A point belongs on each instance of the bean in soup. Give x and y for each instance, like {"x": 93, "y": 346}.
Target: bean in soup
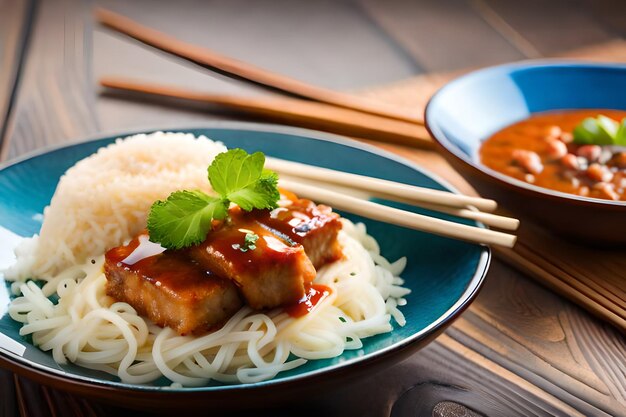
{"x": 541, "y": 150}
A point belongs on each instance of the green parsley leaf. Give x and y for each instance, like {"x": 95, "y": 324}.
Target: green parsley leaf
{"x": 240, "y": 178}
{"x": 600, "y": 130}
{"x": 184, "y": 219}
{"x": 262, "y": 194}
{"x": 234, "y": 170}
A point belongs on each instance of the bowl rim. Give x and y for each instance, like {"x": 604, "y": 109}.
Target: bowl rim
{"x": 446, "y": 144}
{"x": 469, "y": 294}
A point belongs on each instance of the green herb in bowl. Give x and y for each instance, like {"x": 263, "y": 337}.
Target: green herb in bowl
{"x": 600, "y": 130}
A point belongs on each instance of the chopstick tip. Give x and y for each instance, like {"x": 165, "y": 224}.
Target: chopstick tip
{"x": 490, "y": 205}
{"x": 100, "y": 13}
{"x": 511, "y": 242}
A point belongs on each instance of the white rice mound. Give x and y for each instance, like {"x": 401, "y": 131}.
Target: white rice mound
{"x": 104, "y": 199}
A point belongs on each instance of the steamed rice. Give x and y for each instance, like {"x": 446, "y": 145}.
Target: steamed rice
{"x": 104, "y": 199}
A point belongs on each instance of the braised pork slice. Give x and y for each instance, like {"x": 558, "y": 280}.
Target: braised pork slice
{"x": 266, "y": 258}
{"x": 171, "y": 289}
{"x": 302, "y": 221}
{"x": 269, "y": 270}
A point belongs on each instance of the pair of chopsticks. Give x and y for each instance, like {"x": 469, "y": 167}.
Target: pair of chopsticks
{"x": 329, "y": 110}
{"x": 315, "y": 107}
{"x": 596, "y": 296}
{"x": 442, "y": 201}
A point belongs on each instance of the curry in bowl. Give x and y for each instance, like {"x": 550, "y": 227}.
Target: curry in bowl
{"x": 580, "y": 152}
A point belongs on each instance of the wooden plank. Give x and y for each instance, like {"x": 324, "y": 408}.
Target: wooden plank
{"x": 548, "y": 342}
{"x": 548, "y": 27}
{"x": 412, "y": 94}
{"x": 15, "y": 21}
{"x": 8, "y": 405}
{"x": 323, "y": 42}
{"x": 611, "y": 14}
{"x": 442, "y": 35}
{"x": 54, "y": 100}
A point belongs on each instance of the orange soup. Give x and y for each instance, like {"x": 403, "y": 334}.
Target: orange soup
{"x": 540, "y": 150}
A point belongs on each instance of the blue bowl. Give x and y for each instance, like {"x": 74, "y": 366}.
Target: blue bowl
{"x": 473, "y": 107}
{"x": 444, "y": 276}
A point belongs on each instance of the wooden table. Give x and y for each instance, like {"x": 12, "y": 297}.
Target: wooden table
{"x": 519, "y": 350}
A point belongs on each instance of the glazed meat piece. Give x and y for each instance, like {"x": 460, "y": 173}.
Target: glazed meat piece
{"x": 170, "y": 289}
{"x": 302, "y": 221}
{"x": 270, "y": 272}
{"x": 267, "y": 258}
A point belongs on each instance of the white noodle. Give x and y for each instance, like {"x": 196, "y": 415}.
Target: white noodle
{"x": 89, "y": 328}
{"x": 102, "y": 201}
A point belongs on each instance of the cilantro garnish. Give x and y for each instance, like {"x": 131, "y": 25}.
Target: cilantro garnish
{"x": 249, "y": 242}
{"x": 185, "y": 217}
{"x": 600, "y": 130}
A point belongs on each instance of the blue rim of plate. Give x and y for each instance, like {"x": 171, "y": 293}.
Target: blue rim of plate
{"x": 466, "y": 298}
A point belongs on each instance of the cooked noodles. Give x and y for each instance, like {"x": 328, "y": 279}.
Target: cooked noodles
{"x": 90, "y": 329}
{"x": 101, "y": 202}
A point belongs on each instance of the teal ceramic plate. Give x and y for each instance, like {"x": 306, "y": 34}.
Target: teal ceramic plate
{"x": 443, "y": 274}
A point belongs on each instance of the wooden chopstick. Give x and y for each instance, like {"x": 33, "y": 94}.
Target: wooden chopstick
{"x": 564, "y": 287}
{"x": 488, "y": 219}
{"x": 213, "y": 61}
{"x": 296, "y": 112}
{"x": 379, "y": 187}
{"x": 442, "y": 201}
{"x": 582, "y": 283}
{"x": 400, "y": 217}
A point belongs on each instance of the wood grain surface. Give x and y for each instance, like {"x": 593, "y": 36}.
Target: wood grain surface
{"x": 240, "y": 70}
{"x": 519, "y": 350}
{"x": 55, "y": 100}
{"x": 15, "y": 28}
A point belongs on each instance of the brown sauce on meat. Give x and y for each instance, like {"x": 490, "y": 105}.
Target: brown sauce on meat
{"x": 513, "y": 151}
{"x": 270, "y": 270}
{"x": 296, "y": 219}
{"x": 171, "y": 270}
{"x": 229, "y": 239}
{"x": 174, "y": 271}
{"x": 315, "y": 293}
